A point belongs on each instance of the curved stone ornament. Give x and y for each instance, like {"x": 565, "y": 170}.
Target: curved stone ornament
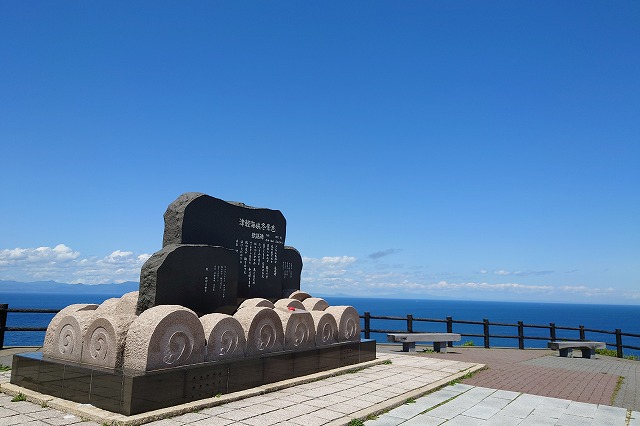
{"x": 299, "y": 329}
{"x": 225, "y": 337}
{"x": 103, "y": 342}
{"x": 263, "y": 330}
{"x": 348, "y": 322}
{"x": 256, "y": 302}
{"x": 164, "y": 336}
{"x": 285, "y": 304}
{"x": 299, "y": 295}
{"x": 326, "y": 328}
{"x": 63, "y": 339}
{"x": 315, "y": 304}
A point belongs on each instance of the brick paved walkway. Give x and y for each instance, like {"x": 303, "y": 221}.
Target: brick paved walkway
{"x": 543, "y": 372}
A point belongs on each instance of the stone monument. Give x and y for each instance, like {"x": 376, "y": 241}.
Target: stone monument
{"x": 174, "y": 340}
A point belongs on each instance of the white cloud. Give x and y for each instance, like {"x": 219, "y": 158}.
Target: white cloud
{"x": 63, "y": 264}
{"x": 345, "y": 275}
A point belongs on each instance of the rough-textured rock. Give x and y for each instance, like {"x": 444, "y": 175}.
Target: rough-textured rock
{"x": 164, "y": 336}
{"x": 199, "y": 277}
{"x": 256, "y": 234}
{"x": 326, "y": 328}
{"x": 63, "y": 339}
{"x": 299, "y": 295}
{"x": 291, "y": 270}
{"x": 263, "y": 330}
{"x": 348, "y": 322}
{"x": 225, "y": 337}
{"x": 299, "y": 329}
{"x": 315, "y": 304}
{"x": 256, "y": 302}
{"x": 285, "y": 304}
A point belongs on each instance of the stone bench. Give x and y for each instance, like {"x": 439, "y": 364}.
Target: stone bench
{"x": 588, "y": 348}
{"x": 409, "y": 340}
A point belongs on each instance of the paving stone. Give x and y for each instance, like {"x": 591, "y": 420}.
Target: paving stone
{"x": 270, "y": 418}
{"x": 191, "y": 417}
{"x": 486, "y": 408}
{"x": 581, "y": 409}
{"x": 15, "y": 420}
{"x": 214, "y": 421}
{"x": 387, "y": 420}
{"x": 422, "y": 420}
{"x": 165, "y": 422}
{"x": 572, "y": 420}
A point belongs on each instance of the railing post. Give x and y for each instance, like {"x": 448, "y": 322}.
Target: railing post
{"x": 450, "y": 329}
{"x": 486, "y": 332}
{"x": 3, "y": 322}
{"x": 552, "y": 331}
{"x": 619, "y": 343}
{"x": 520, "y": 335}
{"x": 409, "y": 323}
{"x": 582, "y": 333}
{"x": 367, "y": 325}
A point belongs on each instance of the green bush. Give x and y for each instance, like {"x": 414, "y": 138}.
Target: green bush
{"x": 468, "y": 343}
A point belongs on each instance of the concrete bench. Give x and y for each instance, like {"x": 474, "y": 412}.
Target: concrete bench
{"x": 588, "y": 348}
{"x": 409, "y": 340}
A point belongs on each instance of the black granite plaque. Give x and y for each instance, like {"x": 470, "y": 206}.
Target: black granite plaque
{"x": 256, "y": 234}
{"x": 291, "y": 270}
{"x": 199, "y": 277}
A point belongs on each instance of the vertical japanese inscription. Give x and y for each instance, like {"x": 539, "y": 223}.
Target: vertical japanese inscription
{"x": 256, "y": 234}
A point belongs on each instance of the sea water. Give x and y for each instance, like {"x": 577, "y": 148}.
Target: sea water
{"x": 598, "y": 317}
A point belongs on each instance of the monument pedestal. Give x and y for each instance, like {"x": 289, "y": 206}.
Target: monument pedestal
{"x": 131, "y": 393}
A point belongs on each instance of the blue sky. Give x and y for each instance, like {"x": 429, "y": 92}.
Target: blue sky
{"x": 464, "y": 150}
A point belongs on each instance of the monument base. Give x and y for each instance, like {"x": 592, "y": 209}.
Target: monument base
{"x": 133, "y": 393}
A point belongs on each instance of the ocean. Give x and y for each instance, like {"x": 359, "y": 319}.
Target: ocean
{"x": 599, "y": 317}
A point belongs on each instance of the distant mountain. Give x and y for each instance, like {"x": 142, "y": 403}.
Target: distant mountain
{"x": 63, "y": 288}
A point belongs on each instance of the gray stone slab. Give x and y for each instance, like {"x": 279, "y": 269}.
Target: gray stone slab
{"x": 422, "y": 420}
{"x": 581, "y": 409}
{"x": 635, "y": 419}
{"x": 486, "y": 408}
{"x": 387, "y": 420}
{"x": 573, "y": 420}
{"x": 538, "y": 420}
{"x": 606, "y": 415}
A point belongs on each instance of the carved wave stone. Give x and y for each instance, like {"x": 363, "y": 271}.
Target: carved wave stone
{"x": 285, "y": 304}
{"x": 299, "y": 295}
{"x": 104, "y": 341}
{"x": 315, "y": 304}
{"x": 63, "y": 339}
{"x": 263, "y": 330}
{"x": 256, "y": 302}
{"x": 225, "y": 337}
{"x": 326, "y": 328}
{"x": 348, "y": 322}
{"x": 164, "y": 336}
{"x": 299, "y": 329}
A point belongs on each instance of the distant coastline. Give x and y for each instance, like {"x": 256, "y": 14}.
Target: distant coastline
{"x": 64, "y": 288}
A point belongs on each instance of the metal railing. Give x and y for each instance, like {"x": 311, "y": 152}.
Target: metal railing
{"x": 449, "y": 322}
{"x": 487, "y": 327}
{"x": 4, "y": 309}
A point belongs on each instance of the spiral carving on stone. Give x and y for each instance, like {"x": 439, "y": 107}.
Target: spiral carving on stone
{"x": 176, "y": 347}
{"x": 228, "y": 342}
{"x": 99, "y": 344}
{"x": 327, "y": 333}
{"x": 300, "y": 334}
{"x": 266, "y": 337}
{"x": 67, "y": 340}
{"x": 350, "y": 329}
